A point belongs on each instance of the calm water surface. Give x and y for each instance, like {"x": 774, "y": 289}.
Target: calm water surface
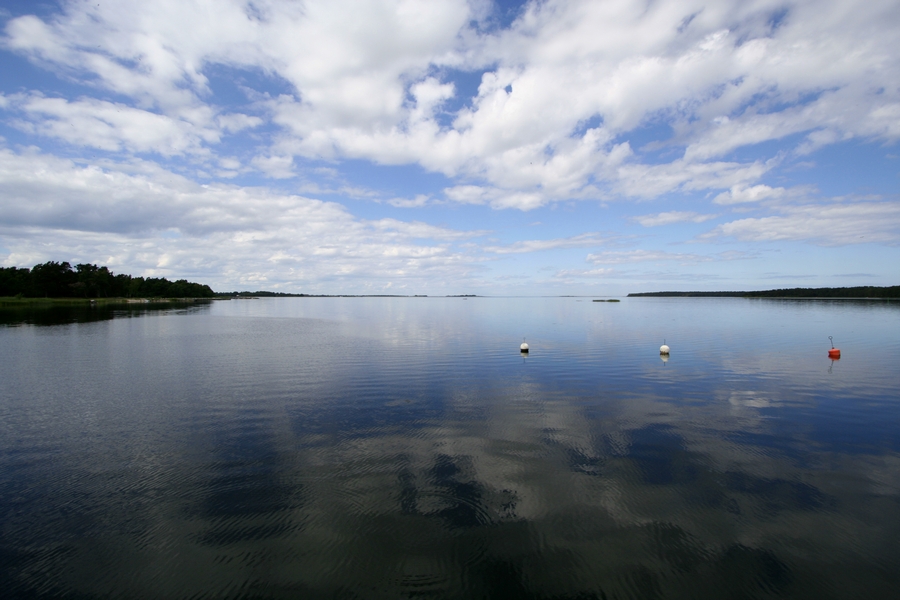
{"x": 402, "y": 447}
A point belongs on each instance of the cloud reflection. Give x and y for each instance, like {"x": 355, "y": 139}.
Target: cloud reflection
{"x": 225, "y": 454}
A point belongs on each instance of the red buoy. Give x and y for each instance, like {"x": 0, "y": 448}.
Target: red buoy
{"x": 834, "y": 353}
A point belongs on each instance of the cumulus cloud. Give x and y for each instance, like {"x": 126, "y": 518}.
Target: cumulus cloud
{"x": 112, "y": 126}
{"x": 573, "y": 101}
{"x": 369, "y": 80}
{"x": 54, "y": 208}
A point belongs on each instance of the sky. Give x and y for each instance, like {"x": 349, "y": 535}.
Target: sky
{"x": 455, "y": 146}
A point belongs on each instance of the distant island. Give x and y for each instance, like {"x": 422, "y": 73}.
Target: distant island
{"x": 859, "y": 292}
{"x": 258, "y": 294}
{"x": 88, "y": 281}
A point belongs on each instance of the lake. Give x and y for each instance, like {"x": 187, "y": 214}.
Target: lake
{"x": 403, "y": 447}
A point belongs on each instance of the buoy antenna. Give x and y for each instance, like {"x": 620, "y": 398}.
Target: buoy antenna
{"x": 831, "y": 339}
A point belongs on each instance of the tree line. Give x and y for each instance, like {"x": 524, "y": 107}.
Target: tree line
{"x": 864, "y": 291}
{"x": 61, "y": 280}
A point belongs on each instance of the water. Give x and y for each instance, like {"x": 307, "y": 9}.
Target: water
{"x": 402, "y": 447}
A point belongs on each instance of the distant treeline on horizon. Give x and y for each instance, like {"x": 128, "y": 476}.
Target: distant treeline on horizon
{"x": 865, "y": 291}
{"x": 61, "y": 280}
{"x": 259, "y": 294}
{"x": 265, "y": 294}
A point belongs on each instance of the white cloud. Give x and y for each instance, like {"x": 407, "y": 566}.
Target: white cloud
{"x": 365, "y": 82}
{"x": 496, "y": 197}
{"x": 237, "y": 122}
{"x": 636, "y": 256}
{"x": 650, "y": 181}
{"x": 276, "y": 167}
{"x": 583, "y": 273}
{"x": 112, "y": 126}
{"x": 118, "y": 127}
{"x": 419, "y": 201}
{"x": 835, "y": 224}
{"x": 419, "y": 230}
{"x": 584, "y": 240}
{"x": 743, "y": 193}
{"x": 470, "y": 194}
{"x": 154, "y": 222}
{"x": 669, "y": 218}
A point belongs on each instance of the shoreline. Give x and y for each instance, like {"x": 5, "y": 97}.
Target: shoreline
{"x": 12, "y": 301}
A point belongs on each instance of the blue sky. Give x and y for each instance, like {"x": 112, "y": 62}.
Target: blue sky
{"x": 454, "y": 146}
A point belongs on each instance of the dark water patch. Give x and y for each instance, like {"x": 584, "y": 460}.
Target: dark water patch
{"x": 234, "y": 533}
{"x": 680, "y": 550}
{"x": 580, "y": 462}
{"x": 461, "y": 496}
{"x": 662, "y": 457}
{"x": 744, "y": 572}
{"x": 408, "y": 493}
{"x": 777, "y": 494}
{"x": 500, "y": 579}
{"x": 867, "y": 431}
{"x": 50, "y": 315}
{"x": 234, "y": 494}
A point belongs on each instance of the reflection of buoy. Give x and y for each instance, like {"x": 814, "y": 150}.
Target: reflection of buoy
{"x": 523, "y": 348}
{"x": 664, "y": 357}
{"x": 834, "y": 353}
{"x": 664, "y": 349}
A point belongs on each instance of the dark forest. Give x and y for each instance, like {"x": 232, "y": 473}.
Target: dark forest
{"x": 61, "y": 280}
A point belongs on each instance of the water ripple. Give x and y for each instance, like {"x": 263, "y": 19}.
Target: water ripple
{"x": 404, "y": 448}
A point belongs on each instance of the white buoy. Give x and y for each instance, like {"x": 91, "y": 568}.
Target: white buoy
{"x": 524, "y": 348}
{"x": 664, "y": 349}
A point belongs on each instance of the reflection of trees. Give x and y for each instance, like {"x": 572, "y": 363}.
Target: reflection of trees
{"x": 61, "y": 315}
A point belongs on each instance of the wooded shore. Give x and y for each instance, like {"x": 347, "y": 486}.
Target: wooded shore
{"x": 60, "y": 280}
{"x": 23, "y": 302}
{"x": 858, "y": 292}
